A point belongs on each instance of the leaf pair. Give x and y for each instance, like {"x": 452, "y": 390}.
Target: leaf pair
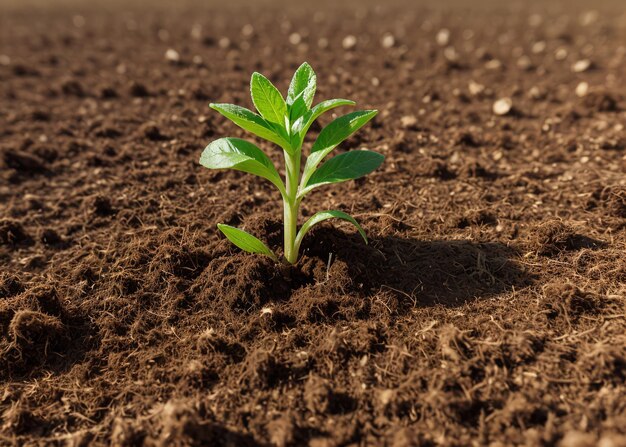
{"x": 251, "y": 244}
{"x": 347, "y": 166}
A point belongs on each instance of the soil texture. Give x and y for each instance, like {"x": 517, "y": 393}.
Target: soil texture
{"x": 488, "y": 308}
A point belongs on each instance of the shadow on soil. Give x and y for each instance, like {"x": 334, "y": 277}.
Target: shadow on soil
{"x": 423, "y": 273}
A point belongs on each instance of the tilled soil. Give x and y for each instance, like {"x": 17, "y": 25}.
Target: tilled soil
{"x": 488, "y": 309}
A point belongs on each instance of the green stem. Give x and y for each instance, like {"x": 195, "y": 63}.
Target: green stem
{"x": 291, "y": 205}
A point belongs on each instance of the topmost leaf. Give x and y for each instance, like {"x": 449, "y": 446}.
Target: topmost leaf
{"x": 268, "y": 100}
{"x": 304, "y": 82}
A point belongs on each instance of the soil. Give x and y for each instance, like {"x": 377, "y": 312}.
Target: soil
{"x": 488, "y": 308}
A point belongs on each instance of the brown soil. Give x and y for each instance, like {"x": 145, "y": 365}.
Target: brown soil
{"x": 489, "y": 307}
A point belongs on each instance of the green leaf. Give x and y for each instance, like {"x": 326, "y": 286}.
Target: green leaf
{"x": 234, "y": 153}
{"x": 267, "y": 99}
{"x": 304, "y": 82}
{"x": 298, "y": 108}
{"x": 347, "y": 166}
{"x": 251, "y": 122}
{"x": 325, "y": 215}
{"x": 340, "y": 129}
{"x": 333, "y": 135}
{"x": 246, "y": 241}
{"x": 303, "y": 124}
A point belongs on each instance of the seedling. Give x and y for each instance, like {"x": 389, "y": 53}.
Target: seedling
{"x": 285, "y": 122}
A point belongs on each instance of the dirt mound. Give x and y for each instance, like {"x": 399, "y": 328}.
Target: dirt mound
{"x": 570, "y": 301}
{"x": 31, "y": 333}
{"x": 24, "y": 163}
{"x": 612, "y": 200}
{"x": 554, "y": 236}
{"x": 10, "y": 285}
{"x": 12, "y": 233}
{"x": 38, "y": 332}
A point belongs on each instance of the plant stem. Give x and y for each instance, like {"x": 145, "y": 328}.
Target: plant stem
{"x": 291, "y": 205}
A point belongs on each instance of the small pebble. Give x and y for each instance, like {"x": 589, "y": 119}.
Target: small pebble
{"x": 247, "y": 30}
{"x": 388, "y": 41}
{"x": 196, "y": 31}
{"x": 602, "y": 126}
{"x": 224, "y": 42}
{"x": 408, "y": 121}
{"x": 546, "y": 126}
{"x": 581, "y": 66}
{"x": 349, "y": 42}
{"x": 385, "y": 397}
{"x": 589, "y": 17}
{"x": 172, "y": 55}
{"x": 524, "y": 63}
{"x": 322, "y": 42}
{"x": 475, "y": 88}
{"x": 493, "y": 64}
{"x": 443, "y": 37}
{"x": 560, "y": 54}
{"x": 295, "y": 38}
{"x": 502, "y": 106}
{"x": 451, "y": 54}
{"x": 539, "y": 47}
{"x": 536, "y": 93}
{"x": 5, "y": 60}
{"x": 582, "y": 89}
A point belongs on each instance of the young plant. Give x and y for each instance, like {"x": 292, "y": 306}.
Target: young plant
{"x": 285, "y": 122}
